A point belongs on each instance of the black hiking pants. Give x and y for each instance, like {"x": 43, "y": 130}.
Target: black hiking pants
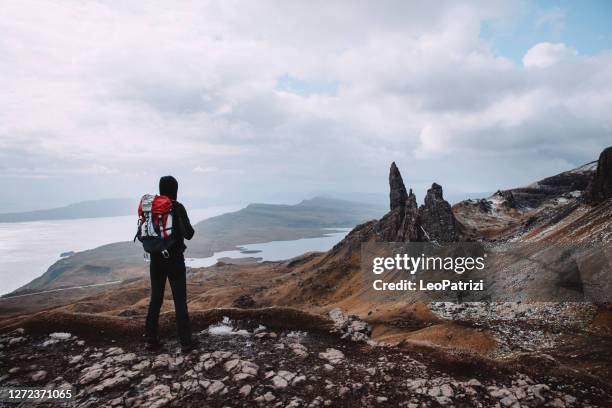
{"x": 174, "y": 270}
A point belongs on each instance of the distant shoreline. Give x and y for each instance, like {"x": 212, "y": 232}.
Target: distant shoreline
{"x": 17, "y": 295}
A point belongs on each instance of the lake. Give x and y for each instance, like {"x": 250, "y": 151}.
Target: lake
{"x": 275, "y": 250}
{"x": 29, "y": 248}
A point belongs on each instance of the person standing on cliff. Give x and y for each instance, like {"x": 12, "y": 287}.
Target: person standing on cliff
{"x": 171, "y": 266}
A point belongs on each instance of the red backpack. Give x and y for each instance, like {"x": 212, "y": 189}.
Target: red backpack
{"x": 155, "y": 224}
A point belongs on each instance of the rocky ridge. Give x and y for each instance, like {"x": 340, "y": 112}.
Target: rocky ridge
{"x": 522, "y": 213}
{"x": 245, "y": 364}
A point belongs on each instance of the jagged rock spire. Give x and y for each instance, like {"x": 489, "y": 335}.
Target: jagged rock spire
{"x": 411, "y": 202}
{"x": 436, "y": 216}
{"x": 407, "y": 222}
{"x": 600, "y": 187}
{"x": 397, "y": 195}
{"x": 434, "y": 193}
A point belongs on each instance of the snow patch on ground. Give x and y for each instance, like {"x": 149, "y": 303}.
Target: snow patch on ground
{"x": 225, "y": 328}
{"x": 496, "y": 201}
{"x": 297, "y": 334}
{"x": 60, "y": 336}
{"x": 592, "y": 166}
{"x": 56, "y": 338}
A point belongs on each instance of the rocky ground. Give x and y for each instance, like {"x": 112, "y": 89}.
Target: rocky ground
{"x": 242, "y": 363}
{"x": 551, "y": 333}
{"x": 520, "y": 327}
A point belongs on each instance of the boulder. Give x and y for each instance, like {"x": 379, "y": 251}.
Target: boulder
{"x": 39, "y": 375}
{"x": 244, "y": 301}
{"x": 332, "y": 355}
{"x": 508, "y": 198}
{"x": 600, "y": 187}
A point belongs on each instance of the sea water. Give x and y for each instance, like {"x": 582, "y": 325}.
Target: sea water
{"x": 275, "y": 250}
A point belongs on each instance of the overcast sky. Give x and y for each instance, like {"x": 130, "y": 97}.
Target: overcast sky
{"x": 275, "y": 101}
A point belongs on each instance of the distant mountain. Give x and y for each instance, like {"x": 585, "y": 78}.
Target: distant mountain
{"x": 317, "y": 212}
{"x": 111, "y": 207}
{"x": 375, "y": 198}
{"x": 258, "y": 223}
{"x": 85, "y": 209}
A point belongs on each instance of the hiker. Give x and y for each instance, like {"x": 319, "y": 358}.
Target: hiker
{"x": 170, "y": 264}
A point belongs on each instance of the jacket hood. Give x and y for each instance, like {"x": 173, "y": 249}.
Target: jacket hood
{"x": 168, "y": 186}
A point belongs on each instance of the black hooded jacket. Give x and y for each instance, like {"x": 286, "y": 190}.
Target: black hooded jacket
{"x": 168, "y": 186}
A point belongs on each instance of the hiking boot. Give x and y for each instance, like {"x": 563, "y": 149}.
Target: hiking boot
{"x": 152, "y": 345}
{"x": 186, "y": 348}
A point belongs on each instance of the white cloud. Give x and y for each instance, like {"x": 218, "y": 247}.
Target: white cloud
{"x": 554, "y": 17}
{"x": 545, "y": 54}
{"x": 158, "y": 88}
{"x": 200, "y": 169}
